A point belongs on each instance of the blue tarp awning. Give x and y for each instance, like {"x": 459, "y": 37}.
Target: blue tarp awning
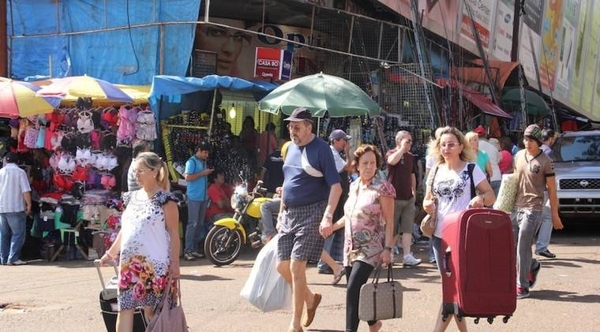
{"x": 170, "y": 88}
{"x": 174, "y": 85}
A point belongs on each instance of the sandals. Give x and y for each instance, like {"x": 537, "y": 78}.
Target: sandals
{"x": 338, "y": 276}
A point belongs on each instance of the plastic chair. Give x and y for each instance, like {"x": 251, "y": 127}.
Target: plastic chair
{"x": 67, "y": 229}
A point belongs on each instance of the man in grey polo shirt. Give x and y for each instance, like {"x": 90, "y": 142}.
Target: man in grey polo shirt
{"x": 15, "y": 205}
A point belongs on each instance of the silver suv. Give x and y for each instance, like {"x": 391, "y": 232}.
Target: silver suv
{"x": 577, "y": 166}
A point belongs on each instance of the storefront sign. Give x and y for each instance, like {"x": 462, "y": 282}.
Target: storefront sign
{"x": 272, "y": 64}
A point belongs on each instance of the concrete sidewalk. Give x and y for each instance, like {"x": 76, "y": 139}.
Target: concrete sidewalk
{"x": 63, "y": 296}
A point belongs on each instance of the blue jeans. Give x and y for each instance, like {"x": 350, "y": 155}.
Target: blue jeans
{"x": 334, "y": 246}
{"x": 496, "y": 186}
{"x": 545, "y": 232}
{"x": 195, "y": 232}
{"x": 12, "y": 236}
{"x": 266, "y": 212}
{"x": 436, "y": 246}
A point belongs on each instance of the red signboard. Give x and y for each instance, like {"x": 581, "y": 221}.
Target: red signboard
{"x": 269, "y": 63}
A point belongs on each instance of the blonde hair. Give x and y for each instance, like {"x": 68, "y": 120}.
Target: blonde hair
{"x": 153, "y": 161}
{"x": 466, "y": 154}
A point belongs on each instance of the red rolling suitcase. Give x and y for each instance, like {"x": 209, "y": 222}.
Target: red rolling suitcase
{"x": 479, "y": 268}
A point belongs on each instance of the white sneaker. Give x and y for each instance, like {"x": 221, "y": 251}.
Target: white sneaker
{"x": 18, "y": 262}
{"x": 410, "y": 260}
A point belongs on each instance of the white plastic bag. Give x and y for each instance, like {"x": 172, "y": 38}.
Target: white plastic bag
{"x": 265, "y": 288}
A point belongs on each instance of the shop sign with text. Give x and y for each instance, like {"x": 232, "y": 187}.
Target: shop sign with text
{"x": 273, "y": 64}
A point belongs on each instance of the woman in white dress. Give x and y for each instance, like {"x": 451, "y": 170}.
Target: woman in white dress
{"x": 147, "y": 247}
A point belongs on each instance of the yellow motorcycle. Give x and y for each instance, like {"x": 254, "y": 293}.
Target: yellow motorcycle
{"x": 225, "y": 239}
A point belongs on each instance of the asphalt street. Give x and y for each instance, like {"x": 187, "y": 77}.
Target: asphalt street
{"x": 63, "y": 295}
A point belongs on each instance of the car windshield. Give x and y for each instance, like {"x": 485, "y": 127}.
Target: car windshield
{"x": 577, "y": 148}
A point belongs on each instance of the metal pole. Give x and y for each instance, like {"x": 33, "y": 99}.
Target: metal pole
{"x": 206, "y": 10}
{"x": 3, "y": 42}
{"x": 212, "y": 113}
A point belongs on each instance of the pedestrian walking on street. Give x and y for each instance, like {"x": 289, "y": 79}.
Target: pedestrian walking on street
{"x": 332, "y": 255}
{"x": 452, "y": 189}
{"x": 147, "y": 247}
{"x": 15, "y": 205}
{"x": 545, "y": 231}
{"x": 369, "y": 230}
{"x": 535, "y": 173}
{"x": 311, "y": 190}
{"x": 196, "y": 174}
{"x": 402, "y": 170}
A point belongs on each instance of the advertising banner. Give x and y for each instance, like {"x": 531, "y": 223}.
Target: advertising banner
{"x": 272, "y": 64}
{"x": 566, "y": 53}
{"x": 550, "y": 43}
{"x": 530, "y": 35}
{"x": 482, "y": 17}
{"x": 591, "y": 61}
{"x": 577, "y": 80}
{"x": 236, "y": 49}
{"x": 503, "y": 36}
{"x": 441, "y": 17}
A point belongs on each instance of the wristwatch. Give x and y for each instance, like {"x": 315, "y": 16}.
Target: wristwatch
{"x": 388, "y": 248}
{"x": 328, "y": 215}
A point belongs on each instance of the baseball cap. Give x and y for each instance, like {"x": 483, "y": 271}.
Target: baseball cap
{"x": 339, "y": 134}
{"x": 480, "y": 130}
{"x": 533, "y": 131}
{"x": 300, "y": 114}
{"x": 11, "y": 157}
{"x": 203, "y": 146}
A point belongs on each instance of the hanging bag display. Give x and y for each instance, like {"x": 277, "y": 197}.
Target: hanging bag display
{"x": 380, "y": 300}
{"x": 429, "y": 223}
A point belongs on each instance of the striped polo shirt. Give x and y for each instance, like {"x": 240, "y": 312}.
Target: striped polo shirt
{"x": 13, "y": 184}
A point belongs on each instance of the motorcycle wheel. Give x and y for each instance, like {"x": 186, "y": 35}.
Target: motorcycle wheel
{"x": 215, "y": 245}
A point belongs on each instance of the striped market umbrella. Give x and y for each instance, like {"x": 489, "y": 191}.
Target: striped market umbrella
{"x": 84, "y": 86}
{"x": 19, "y": 99}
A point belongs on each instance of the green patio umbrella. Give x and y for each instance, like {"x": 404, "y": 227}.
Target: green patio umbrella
{"x": 535, "y": 104}
{"x": 320, "y": 93}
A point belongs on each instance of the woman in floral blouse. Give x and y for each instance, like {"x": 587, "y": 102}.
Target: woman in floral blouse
{"x": 369, "y": 227}
{"x": 148, "y": 244}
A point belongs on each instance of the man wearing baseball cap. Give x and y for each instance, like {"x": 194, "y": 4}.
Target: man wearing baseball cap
{"x": 333, "y": 247}
{"x": 310, "y": 194}
{"x": 535, "y": 173}
{"x": 15, "y": 205}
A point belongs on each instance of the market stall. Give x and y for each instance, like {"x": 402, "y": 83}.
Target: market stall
{"x": 182, "y": 129}
{"x": 75, "y": 155}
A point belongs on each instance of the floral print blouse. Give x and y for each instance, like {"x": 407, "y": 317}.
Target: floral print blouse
{"x": 365, "y": 227}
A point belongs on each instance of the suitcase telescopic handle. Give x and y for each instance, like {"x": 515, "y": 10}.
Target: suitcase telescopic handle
{"x": 446, "y": 262}
{"x": 111, "y": 262}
